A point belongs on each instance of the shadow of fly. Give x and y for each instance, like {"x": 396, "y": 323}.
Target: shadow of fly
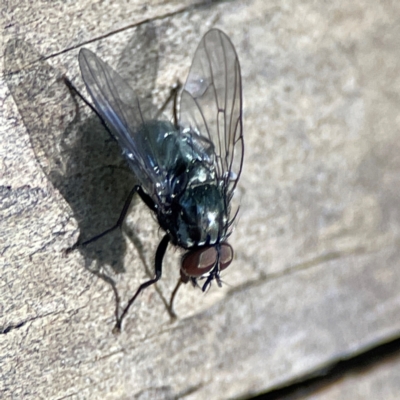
{"x": 187, "y": 169}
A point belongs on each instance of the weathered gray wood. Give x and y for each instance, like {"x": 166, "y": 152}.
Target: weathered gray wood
{"x": 316, "y": 274}
{"x": 379, "y": 380}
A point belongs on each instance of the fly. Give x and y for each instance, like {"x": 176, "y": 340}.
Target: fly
{"x": 187, "y": 169}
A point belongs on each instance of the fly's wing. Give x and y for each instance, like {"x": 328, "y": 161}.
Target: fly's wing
{"x": 211, "y": 106}
{"x": 120, "y": 108}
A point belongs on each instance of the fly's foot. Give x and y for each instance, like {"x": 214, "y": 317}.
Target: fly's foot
{"x": 71, "y": 249}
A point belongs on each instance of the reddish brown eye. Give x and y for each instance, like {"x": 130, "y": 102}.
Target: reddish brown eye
{"x": 198, "y": 262}
{"x": 225, "y": 256}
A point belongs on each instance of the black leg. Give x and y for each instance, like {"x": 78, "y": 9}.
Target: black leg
{"x": 178, "y": 86}
{"x": 162, "y": 247}
{"x": 172, "y": 96}
{"x": 73, "y": 89}
{"x": 119, "y": 223}
{"x": 172, "y": 299}
{"x": 146, "y": 199}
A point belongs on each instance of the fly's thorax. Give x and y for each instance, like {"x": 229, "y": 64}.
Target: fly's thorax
{"x": 198, "y": 217}
{"x": 203, "y": 217}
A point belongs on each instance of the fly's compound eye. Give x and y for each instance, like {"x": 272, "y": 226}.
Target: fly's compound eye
{"x": 198, "y": 262}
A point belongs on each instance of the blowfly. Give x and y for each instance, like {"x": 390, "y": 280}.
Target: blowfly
{"x": 188, "y": 169}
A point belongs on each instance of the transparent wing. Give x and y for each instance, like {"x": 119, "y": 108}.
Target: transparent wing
{"x": 211, "y": 105}
{"x": 120, "y": 108}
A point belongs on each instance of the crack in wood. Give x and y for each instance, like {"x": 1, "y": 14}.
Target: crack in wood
{"x": 331, "y": 373}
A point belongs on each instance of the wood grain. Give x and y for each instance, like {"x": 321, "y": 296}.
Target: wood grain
{"x": 316, "y": 273}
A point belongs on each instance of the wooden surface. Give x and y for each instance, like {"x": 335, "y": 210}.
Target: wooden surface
{"x": 316, "y": 275}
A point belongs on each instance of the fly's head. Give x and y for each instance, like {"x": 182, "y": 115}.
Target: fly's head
{"x": 206, "y": 262}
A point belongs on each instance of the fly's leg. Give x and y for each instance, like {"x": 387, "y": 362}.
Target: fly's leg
{"x": 146, "y": 199}
{"x": 162, "y": 247}
{"x": 178, "y": 86}
{"x": 73, "y": 89}
{"x": 174, "y": 97}
{"x": 172, "y": 299}
{"x": 119, "y": 223}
